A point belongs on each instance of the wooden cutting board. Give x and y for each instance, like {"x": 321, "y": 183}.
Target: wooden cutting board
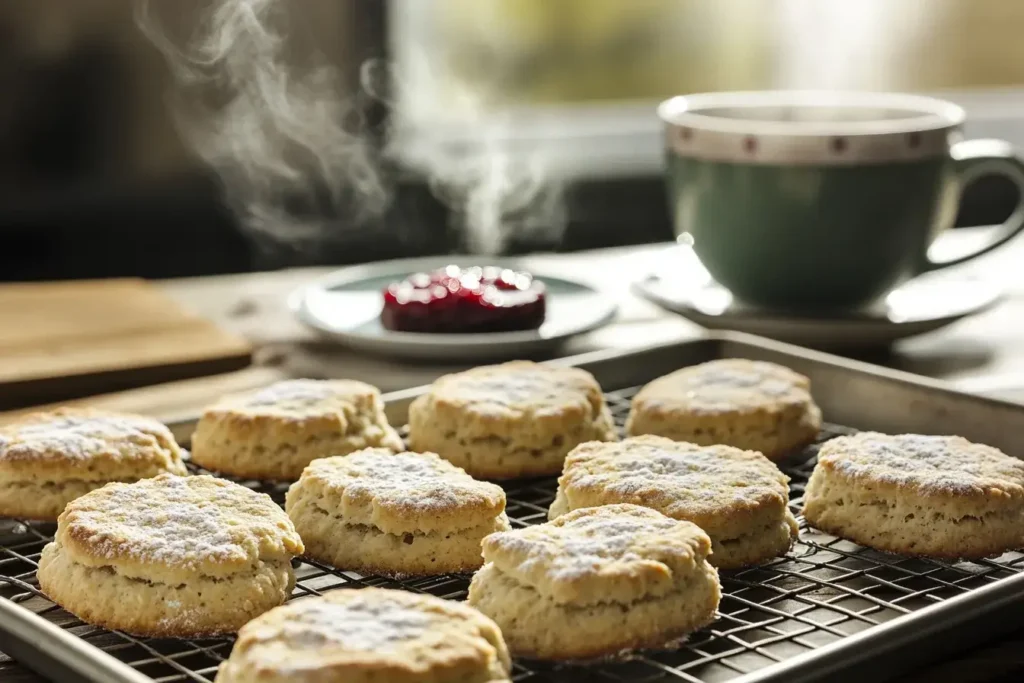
{"x": 61, "y": 340}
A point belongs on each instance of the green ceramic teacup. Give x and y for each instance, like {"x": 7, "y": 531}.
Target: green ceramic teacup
{"x": 808, "y": 200}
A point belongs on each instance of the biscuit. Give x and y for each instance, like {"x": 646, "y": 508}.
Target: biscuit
{"x": 751, "y": 405}
{"x": 170, "y": 556}
{"x": 377, "y": 512}
{"x": 740, "y": 498}
{"x": 49, "y": 459}
{"x": 273, "y": 433}
{"x": 931, "y": 496}
{"x": 517, "y": 419}
{"x": 596, "y": 582}
{"x": 369, "y": 634}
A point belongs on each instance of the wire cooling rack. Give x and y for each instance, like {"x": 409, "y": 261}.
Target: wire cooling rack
{"x": 824, "y": 590}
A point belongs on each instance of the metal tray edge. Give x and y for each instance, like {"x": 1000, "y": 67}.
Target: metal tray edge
{"x": 183, "y": 424}
{"x": 35, "y": 642}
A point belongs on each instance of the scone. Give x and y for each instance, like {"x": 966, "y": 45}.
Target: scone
{"x": 596, "y": 582}
{"x": 933, "y": 496}
{"x": 369, "y": 635}
{"x": 49, "y": 459}
{"x": 273, "y": 433}
{"x": 170, "y": 556}
{"x": 517, "y": 419}
{"x": 740, "y": 498}
{"x": 747, "y": 404}
{"x": 377, "y": 512}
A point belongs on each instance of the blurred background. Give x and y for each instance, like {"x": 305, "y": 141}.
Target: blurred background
{"x": 99, "y": 178}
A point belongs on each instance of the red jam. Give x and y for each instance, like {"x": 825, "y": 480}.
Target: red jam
{"x": 464, "y": 300}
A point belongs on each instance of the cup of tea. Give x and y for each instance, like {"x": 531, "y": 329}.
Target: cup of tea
{"x": 823, "y": 200}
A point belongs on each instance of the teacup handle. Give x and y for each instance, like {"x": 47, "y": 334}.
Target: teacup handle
{"x": 976, "y": 158}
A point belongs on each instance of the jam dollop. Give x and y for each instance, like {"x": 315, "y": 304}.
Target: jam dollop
{"x": 464, "y": 300}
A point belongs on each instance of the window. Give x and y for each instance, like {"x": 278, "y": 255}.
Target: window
{"x": 465, "y": 64}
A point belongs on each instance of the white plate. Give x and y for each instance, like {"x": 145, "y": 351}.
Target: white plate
{"x": 681, "y": 285}
{"x": 346, "y": 305}
{"x": 1004, "y": 386}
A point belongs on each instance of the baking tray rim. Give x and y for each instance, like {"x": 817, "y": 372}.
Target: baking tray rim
{"x": 182, "y": 423}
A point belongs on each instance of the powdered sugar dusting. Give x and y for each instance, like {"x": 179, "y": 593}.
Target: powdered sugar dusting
{"x": 680, "y": 472}
{"x": 516, "y": 387}
{"x": 73, "y": 435}
{"x": 728, "y": 384}
{"x": 177, "y": 522}
{"x": 361, "y": 634}
{"x": 945, "y": 464}
{"x": 411, "y": 480}
{"x": 589, "y": 542}
{"x": 522, "y": 387}
{"x": 360, "y": 624}
{"x": 299, "y": 394}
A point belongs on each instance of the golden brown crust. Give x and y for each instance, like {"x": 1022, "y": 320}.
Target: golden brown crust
{"x": 370, "y": 634}
{"x": 510, "y": 420}
{"x": 275, "y": 432}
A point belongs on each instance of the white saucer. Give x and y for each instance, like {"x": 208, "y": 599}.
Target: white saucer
{"x": 683, "y": 286}
{"x": 346, "y": 305}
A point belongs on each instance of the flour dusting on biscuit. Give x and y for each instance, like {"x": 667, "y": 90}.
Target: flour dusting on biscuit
{"x": 935, "y": 496}
{"x": 397, "y": 514}
{"x": 511, "y": 420}
{"x": 370, "y": 634}
{"x": 48, "y": 459}
{"x": 740, "y": 498}
{"x": 596, "y": 582}
{"x": 751, "y": 405}
{"x": 274, "y": 432}
{"x": 170, "y": 556}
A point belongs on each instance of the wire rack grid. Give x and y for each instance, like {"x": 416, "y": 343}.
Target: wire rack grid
{"x": 823, "y": 590}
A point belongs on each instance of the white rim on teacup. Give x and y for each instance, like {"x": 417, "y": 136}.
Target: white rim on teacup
{"x": 810, "y": 127}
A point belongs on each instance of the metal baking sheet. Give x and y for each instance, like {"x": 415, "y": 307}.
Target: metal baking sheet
{"x": 829, "y": 611}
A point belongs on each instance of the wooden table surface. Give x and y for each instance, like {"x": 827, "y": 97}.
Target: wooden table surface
{"x": 985, "y": 350}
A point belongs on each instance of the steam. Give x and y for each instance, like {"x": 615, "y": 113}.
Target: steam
{"x": 497, "y": 196}
{"x": 290, "y": 150}
{"x": 495, "y": 191}
{"x": 294, "y": 152}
